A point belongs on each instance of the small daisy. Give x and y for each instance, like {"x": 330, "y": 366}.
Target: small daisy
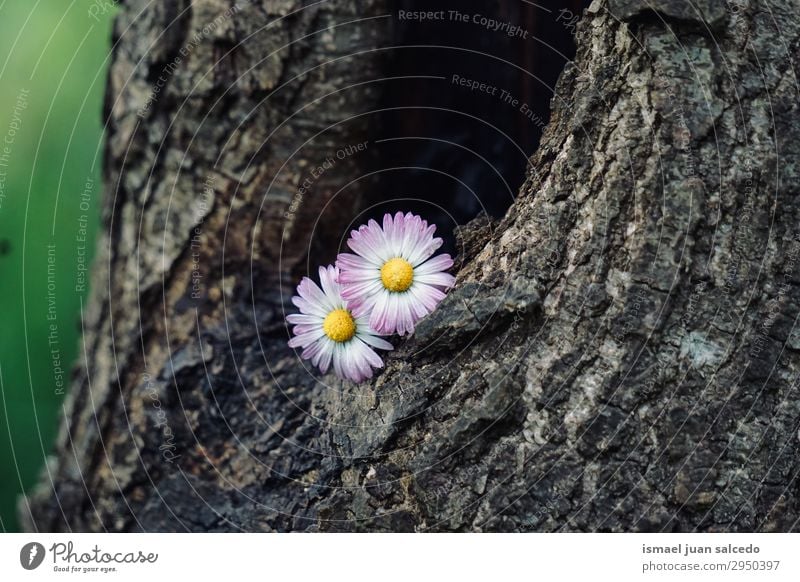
{"x": 392, "y": 276}
{"x": 329, "y": 332}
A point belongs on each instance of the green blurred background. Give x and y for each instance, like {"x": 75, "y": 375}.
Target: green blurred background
{"x": 53, "y": 65}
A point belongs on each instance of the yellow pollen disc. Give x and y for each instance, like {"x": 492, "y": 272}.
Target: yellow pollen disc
{"x": 339, "y": 325}
{"x": 397, "y": 274}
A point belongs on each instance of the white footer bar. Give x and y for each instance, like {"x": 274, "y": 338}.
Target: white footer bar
{"x": 411, "y": 557}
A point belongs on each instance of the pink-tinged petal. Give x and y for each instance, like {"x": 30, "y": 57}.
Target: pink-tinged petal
{"x": 391, "y": 234}
{"x": 300, "y": 318}
{"x": 424, "y": 225}
{"x": 366, "y": 376}
{"x": 438, "y": 279}
{"x": 414, "y": 235}
{"x": 418, "y": 310}
{"x": 311, "y": 292}
{"x": 369, "y": 355}
{"x": 368, "y": 242}
{"x": 373, "y": 232}
{"x": 392, "y": 314}
{"x": 349, "y": 366}
{"x": 437, "y": 263}
{"x": 364, "y": 370}
{"x": 381, "y": 245}
{"x": 397, "y": 231}
{"x": 305, "y": 339}
{"x": 388, "y": 228}
{"x": 406, "y": 236}
{"x": 351, "y": 261}
{"x": 313, "y": 351}
{"x": 375, "y": 341}
{"x": 400, "y": 227}
{"x": 325, "y": 356}
{"x": 348, "y": 277}
{"x": 345, "y": 364}
{"x": 359, "y": 354}
{"x": 396, "y": 310}
{"x": 361, "y": 308}
{"x": 402, "y": 314}
{"x": 309, "y": 308}
{"x": 427, "y": 295}
{"x": 378, "y": 318}
{"x": 425, "y": 247}
{"x": 406, "y": 317}
{"x": 305, "y": 328}
{"x": 360, "y": 291}
{"x": 372, "y": 254}
{"x": 428, "y": 251}
{"x": 327, "y": 276}
{"x": 337, "y": 360}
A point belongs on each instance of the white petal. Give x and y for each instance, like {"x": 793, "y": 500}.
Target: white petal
{"x": 369, "y": 356}
{"x": 437, "y": 279}
{"x": 303, "y": 319}
{"x": 325, "y": 355}
{"x": 305, "y": 339}
{"x": 435, "y": 265}
{"x": 380, "y": 305}
{"x": 309, "y": 308}
{"x": 327, "y": 276}
{"x": 375, "y": 341}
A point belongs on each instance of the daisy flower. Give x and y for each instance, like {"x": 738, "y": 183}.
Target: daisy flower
{"x": 392, "y": 276}
{"x": 329, "y": 332}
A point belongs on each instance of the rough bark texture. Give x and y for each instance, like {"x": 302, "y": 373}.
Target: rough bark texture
{"x": 620, "y": 352}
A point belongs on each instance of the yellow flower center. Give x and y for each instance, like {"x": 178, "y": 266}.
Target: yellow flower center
{"x": 339, "y": 325}
{"x": 397, "y": 274}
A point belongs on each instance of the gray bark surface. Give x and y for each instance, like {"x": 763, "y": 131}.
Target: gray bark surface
{"x": 620, "y": 352}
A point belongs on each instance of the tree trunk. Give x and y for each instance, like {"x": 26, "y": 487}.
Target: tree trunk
{"x": 619, "y": 353}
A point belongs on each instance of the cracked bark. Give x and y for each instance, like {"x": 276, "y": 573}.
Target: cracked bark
{"x": 620, "y": 352}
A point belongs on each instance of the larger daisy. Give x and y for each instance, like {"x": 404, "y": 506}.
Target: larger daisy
{"x": 329, "y": 332}
{"x": 392, "y": 275}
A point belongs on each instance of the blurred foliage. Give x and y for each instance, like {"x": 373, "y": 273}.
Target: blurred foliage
{"x": 53, "y": 65}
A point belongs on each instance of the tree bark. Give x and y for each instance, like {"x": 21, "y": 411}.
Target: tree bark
{"x": 620, "y": 352}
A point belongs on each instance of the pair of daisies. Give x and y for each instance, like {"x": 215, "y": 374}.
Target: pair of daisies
{"x": 391, "y": 282}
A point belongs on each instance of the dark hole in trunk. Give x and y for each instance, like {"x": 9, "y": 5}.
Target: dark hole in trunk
{"x": 447, "y": 151}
